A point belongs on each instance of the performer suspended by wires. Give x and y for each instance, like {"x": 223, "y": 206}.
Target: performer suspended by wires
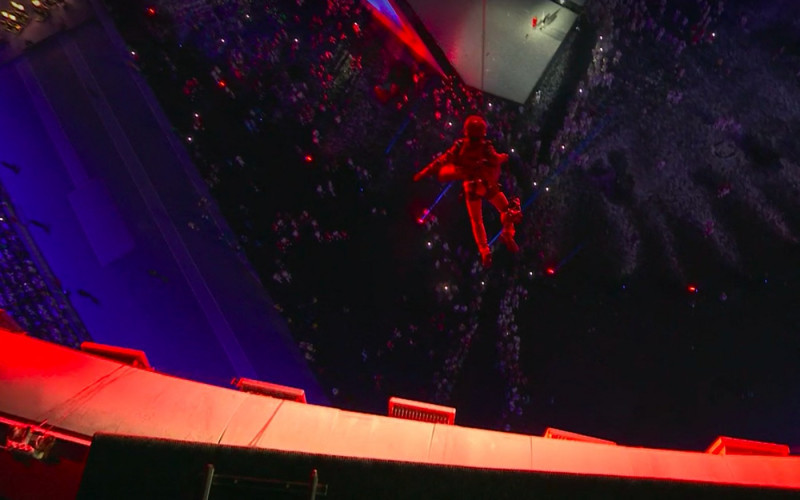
{"x": 474, "y": 161}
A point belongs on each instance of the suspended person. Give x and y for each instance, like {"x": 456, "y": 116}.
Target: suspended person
{"x": 474, "y": 161}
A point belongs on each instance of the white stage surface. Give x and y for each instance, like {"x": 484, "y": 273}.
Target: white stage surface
{"x": 497, "y": 50}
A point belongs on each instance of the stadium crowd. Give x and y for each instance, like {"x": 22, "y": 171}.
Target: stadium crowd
{"x": 29, "y": 293}
{"x": 307, "y": 120}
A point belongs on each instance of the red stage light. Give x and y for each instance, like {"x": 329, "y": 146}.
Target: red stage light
{"x": 309, "y": 158}
{"x": 691, "y": 289}
{"x": 151, "y": 11}
{"x": 221, "y": 84}
{"x": 551, "y": 271}
{"x": 422, "y": 218}
{"x": 423, "y": 412}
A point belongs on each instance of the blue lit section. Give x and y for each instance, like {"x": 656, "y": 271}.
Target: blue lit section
{"x": 387, "y": 10}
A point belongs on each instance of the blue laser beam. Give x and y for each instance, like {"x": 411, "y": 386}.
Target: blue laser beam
{"x": 422, "y": 218}
{"x": 569, "y": 256}
{"x": 572, "y": 156}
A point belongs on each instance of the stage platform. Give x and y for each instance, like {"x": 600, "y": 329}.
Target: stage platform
{"x": 71, "y": 393}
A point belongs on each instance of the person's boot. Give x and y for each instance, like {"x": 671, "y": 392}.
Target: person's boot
{"x": 514, "y": 211}
{"x": 486, "y": 256}
{"x": 511, "y": 216}
{"x": 507, "y": 235}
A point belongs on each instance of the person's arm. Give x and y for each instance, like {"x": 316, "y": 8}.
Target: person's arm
{"x": 495, "y": 159}
{"x": 492, "y": 161}
{"x": 432, "y": 167}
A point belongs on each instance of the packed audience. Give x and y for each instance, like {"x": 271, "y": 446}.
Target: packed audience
{"x": 29, "y": 294}
{"x": 307, "y": 120}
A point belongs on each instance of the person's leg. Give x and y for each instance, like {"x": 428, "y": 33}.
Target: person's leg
{"x": 510, "y": 214}
{"x": 475, "y": 211}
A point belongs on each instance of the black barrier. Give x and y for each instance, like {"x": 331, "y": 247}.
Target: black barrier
{"x": 131, "y": 467}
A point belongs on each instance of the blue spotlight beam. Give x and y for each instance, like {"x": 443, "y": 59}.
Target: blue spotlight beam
{"x": 580, "y": 148}
{"x": 569, "y": 257}
{"x": 428, "y": 210}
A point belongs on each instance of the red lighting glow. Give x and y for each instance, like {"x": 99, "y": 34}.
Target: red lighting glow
{"x": 151, "y": 11}
{"x": 402, "y": 29}
{"x": 691, "y": 289}
{"x": 35, "y": 368}
{"x": 422, "y": 218}
{"x": 551, "y": 271}
{"x": 221, "y": 84}
{"x": 309, "y": 158}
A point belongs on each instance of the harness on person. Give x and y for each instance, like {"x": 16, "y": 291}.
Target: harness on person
{"x": 480, "y": 180}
